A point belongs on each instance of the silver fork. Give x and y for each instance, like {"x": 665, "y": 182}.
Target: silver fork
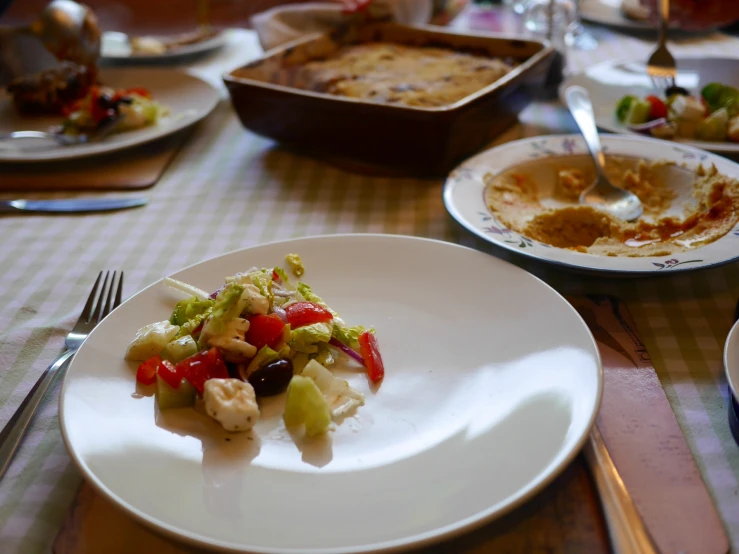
{"x": 100, "y": 303}
{"x": 661, "y": 66}
{"x": 63, "y": 139}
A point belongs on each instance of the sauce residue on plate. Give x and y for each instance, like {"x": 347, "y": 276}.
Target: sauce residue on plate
{"x": 683, "y": 208}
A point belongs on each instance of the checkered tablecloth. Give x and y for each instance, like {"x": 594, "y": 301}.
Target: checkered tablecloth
{"x": 229, "y": 189}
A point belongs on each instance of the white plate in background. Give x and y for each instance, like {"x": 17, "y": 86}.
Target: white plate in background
{"x": 188, "y": 98}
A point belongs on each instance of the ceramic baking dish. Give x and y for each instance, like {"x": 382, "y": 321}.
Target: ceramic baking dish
{"x": 371, "y": 136}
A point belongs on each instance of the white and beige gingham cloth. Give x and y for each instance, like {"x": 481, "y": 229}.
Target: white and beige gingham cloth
{"x": 229, "y": 189}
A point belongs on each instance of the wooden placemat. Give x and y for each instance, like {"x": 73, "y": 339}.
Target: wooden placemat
{"x": 130, "y": 169}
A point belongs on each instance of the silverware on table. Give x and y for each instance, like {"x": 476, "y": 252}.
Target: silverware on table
{"x": 71, "y": 205}
{"x": 661, "y": 66}
{"x": 65, "y": 139}
{"x": 601, "y": 194}
{"x": 648, "y": 470}
{"x": 625, "y": 526}
{"x": 102, "y": 300}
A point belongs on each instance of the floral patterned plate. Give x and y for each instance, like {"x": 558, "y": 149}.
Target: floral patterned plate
{"x": 464, "y": 199}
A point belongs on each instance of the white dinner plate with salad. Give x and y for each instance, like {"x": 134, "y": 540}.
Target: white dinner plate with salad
{"x": 608, "y": 12}
{"x": 611, "y": 14}
{"x": 178, "y": 100}
{"x": 120, "y": 47}
{"x": 466, "y": 199}
{"x": 608, "y": 83}
{"x": 483, "y": 402}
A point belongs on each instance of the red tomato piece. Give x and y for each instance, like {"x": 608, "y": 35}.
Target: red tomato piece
{"x": 264, "y": 330}
{"x": 275, "y": 276}
{"x": 301, "y": 314}
{"x": 169, "y": 373}
{"x": 370, "y": 350}
{"x": 140, "y": 91}
{"x": 146, "y": 374}
{"x": 659, "y": 108}
{"x": 217, "y": 368}
{"x": 96, "y": 111}
{"x": 200, "y": 367}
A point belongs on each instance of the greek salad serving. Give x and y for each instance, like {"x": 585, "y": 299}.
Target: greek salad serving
{"x": 711, "y": 116}
{"x": 124, "y": 109}
{"x": 259, "y": 335}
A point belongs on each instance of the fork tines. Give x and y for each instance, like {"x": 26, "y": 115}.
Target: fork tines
{"x": 104, "y": 298}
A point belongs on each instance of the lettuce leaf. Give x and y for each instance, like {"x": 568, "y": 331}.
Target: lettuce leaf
{"x": 348, "y": 335}
{"x": 282, "y": 274}
{"x": 305, "y": 339}
{"x": 263, "y": 281}
{"x": 185, "y": 310}
{"x": 324, "y": 356}
{"x": 228, "y": 305}
{"x": 265, "y": 356}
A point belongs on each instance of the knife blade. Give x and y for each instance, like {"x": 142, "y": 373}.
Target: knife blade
{"x": 645, "y": 440}
{"x": 71, "y": 205}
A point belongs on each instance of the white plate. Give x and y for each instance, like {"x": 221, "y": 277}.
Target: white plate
{"x": 484, "y": 401}
{"x": 608, "y": 12}
{"x": 731, "y": 359}
{"x": 114, "y": 47}
{"x": 464, "y": 199}
{"x": 608, "y": 82}
{"x": 188, "y": 98}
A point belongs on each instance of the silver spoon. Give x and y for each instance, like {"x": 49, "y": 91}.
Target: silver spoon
{"x": 602, "y": 194}
{"x": 68, "y": 30}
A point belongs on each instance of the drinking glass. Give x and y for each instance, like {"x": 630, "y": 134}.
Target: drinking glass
{"x": 518, "y": 6}
{"x": 537, "y": 16}
{"x": 577, "y": 36}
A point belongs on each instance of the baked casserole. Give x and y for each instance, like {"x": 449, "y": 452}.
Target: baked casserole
{"x": 391, "y": 73}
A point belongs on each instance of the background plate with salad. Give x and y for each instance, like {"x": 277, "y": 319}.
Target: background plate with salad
{"x": 187, "y": 98}
{"x": 708, "y": 122}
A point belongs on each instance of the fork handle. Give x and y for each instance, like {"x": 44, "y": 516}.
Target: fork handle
{"x": 15, "y": 429}
{"x": 664, "y": 20}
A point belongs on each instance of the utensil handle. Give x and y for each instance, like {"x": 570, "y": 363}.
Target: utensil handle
{"x": 15, "y": 429}
{"x": 578, "y": 101}
{"x": 625, "y": 526}
{"x": 8, "y": 208}
{"x": 664, "y": 20}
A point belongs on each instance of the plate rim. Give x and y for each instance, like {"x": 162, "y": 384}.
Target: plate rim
{"x": 417, "y": 541}
{"x": 581, "y": 78}
{"x": 620, "y": 21}
{"x": 201, "y": 47}
{"x": 448, "y": 197}
{"x": 176, "y": 127}
{"x": 732, "y": 341}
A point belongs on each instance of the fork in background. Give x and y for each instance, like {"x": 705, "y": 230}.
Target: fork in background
{"x": 64, "y": 139}
{"x": 100, "y": 303}
{"x": 661, "y": 66}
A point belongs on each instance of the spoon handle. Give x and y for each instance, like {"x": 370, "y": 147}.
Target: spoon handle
{"x": 582, "y": 110}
